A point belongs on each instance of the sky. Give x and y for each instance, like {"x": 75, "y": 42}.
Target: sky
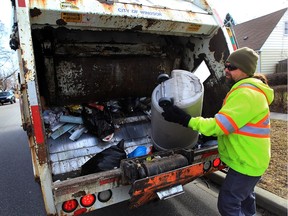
{"x": 245, "y": 10}
{"x": 6, "y": 12}
{"x": 240, "y": 10}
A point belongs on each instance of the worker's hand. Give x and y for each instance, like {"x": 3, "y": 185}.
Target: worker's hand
{"x": 176, "y": 115}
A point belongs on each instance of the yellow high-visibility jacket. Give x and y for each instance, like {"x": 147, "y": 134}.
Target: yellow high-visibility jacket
{"x": 242, "y": 126}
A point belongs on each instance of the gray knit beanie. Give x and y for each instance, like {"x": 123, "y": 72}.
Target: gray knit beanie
{"x": 245, "y": 59}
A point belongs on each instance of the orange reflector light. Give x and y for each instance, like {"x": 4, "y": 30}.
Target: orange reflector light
{"x": 216, "y": 162}
{"x": 70, "y": 205}
{"x": 88, "y": 200}
{"x": 80, "y": 211}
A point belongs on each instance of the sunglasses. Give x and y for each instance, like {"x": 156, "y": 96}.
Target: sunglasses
{"x": 230, "y": 67}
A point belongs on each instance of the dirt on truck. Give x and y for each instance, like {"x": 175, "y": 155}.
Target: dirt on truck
{"x": 94, "y": 77}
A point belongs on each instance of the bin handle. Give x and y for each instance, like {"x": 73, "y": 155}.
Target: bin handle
{"x": 164, "y": 101}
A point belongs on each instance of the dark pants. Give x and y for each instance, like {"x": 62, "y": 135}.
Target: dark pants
{"x": 236, "y": 196}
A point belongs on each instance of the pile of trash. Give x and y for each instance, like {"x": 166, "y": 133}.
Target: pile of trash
{"x": 100, "y": 120}
{"x": 58, "y": 121}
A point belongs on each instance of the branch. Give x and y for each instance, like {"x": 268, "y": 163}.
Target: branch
{"x": 7, "y": 77}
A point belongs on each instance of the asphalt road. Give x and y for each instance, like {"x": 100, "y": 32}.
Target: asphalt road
{"x": 20, "y": 195}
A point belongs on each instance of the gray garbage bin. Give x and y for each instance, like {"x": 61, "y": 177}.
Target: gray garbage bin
{"x": 186, "y": 91}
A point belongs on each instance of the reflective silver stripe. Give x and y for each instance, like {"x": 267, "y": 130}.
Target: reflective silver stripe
{"x": 225, "y": 122}
{"x": 254, "y": 131}
{"x": 260, "y": 129}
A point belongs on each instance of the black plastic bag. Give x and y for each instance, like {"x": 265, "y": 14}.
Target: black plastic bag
{"x": 105, "y": 160}
{"x": 98, "y": 122}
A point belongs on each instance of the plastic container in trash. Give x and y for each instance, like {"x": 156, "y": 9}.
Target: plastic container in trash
{"x": 184, "y": 90}
{"x": 139, "y": 151}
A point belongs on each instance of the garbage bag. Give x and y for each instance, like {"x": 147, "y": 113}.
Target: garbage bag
{"x": 98, "y": 122}
{"x": 105, "y": 160}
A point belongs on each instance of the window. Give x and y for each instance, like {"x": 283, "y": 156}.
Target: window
{"x": 286, "y": 28}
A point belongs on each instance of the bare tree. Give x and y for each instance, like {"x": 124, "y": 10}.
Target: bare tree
{"x": 8, "y": 67}
{"x": 4, "y": 53}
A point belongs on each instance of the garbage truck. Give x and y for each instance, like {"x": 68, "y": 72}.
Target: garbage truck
{"x": 94, "y": 78}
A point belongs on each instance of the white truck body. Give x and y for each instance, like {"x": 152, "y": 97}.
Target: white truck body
{"x": 82, "y": 51}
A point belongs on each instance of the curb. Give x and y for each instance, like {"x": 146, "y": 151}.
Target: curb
{"x": 279, "y": 116}
{"x": 264, "y": 199}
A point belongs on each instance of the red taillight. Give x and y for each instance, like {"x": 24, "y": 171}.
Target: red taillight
{"x": 216, "y": 162}
{"x": 88, "y": 200}
{"x": 70, "y": 205}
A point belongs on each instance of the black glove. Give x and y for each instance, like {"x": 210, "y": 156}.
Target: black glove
{"x": 176, "y": 115}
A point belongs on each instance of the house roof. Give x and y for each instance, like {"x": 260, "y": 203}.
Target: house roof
{"x": 254, "y": 33}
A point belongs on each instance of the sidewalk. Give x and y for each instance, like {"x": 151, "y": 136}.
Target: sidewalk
{"x": 264, "y": 199}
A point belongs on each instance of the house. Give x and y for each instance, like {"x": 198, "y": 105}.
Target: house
{"x": 268, "y": 36}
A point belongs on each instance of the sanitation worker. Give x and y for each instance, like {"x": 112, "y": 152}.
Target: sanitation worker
{"x": 242, "y": 127}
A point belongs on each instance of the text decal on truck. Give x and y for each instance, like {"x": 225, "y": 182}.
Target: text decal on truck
{"x": 71, "y": 17}
{"x": 143, "y": 12}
